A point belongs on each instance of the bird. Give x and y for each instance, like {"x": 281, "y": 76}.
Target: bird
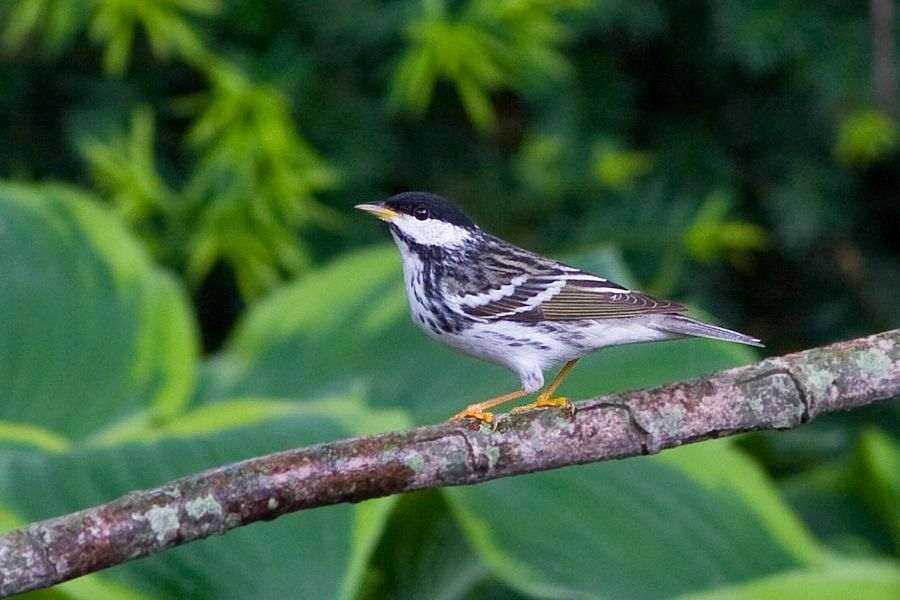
{"x": 493, "y": 300}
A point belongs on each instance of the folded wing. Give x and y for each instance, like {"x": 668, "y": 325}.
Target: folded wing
{"x": 561, "y": 295}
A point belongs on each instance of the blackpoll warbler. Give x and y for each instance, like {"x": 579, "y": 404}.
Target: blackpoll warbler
{"x": 496, "y": 301}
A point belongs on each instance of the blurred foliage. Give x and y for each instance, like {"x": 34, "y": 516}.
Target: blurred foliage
{"x": 734, "y": 154}
{"x": 53, "y": 24}
{"x": 617, "y": 169}
{"x": 253, "y": 177}
{"x": 254, "y": 183}
{"x": 866, "y": 137}
{"x": 710, "y": 235}
{"x": 491, "y": 44}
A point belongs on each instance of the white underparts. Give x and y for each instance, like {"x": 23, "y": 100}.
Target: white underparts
{"x": 529, "y": 349}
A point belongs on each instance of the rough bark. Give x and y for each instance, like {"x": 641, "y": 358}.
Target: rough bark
{"x": 777, "y": 393}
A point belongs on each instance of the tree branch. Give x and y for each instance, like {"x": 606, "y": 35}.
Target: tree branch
{"x": 777, "y": 393}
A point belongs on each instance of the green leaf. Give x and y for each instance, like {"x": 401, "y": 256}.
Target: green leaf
{"x": 539, "y": 165}
{"x": 51, "y": 23}
{"x": 865, "y": 137}
{"x": 631, "y": 529}
{"x": 95, "y": 369}
{"x": 477, "y": 103}
{"x": 93, "y": 333}
{"x": 484, "y": 46}
{"x": 829, "y": 503}
{"x": 318, "y": 553}
{"x": 255, "y": 183}
{"x": 32, "y": 436}
{"x": 93, "y": 587}
{"x": 872, "y": 580}
{"x": 164, "y": 22}
{"x": 100, "y": 354}
{"x": 711, "y": 235}
{"x": 617, "y": 169}
{"x": 413, "y": 83}
{"x": 716, "y": 464}
{"x": 878, "y": 473}
{"x": 423, "y": 553}
{"x": 125, "y": 168}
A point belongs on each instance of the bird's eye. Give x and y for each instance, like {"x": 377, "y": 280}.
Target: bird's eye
{"x": 420, "y": 212}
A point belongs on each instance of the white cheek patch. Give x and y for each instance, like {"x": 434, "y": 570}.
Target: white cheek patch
{"x": 431, "y": 232}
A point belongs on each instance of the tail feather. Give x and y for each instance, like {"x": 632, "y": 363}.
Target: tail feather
{"x": 681, "y": 325}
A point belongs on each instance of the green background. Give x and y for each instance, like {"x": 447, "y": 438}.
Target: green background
{"x": 185, "y": 284}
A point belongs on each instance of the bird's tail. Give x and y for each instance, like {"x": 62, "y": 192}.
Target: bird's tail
{"x": 681, "y": 325}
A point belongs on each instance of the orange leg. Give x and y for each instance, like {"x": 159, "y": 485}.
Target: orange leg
{"x": 479, "y": 409}
{"x": 546, "y": 398}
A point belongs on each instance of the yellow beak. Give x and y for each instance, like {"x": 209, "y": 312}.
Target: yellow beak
{"x": 382, "y": 212}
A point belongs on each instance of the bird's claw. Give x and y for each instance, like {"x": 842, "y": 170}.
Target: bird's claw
{"x": 475, "y": 412}
{"x": 545, "y": 402}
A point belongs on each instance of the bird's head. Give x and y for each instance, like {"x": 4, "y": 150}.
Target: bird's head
{"x": 424, "y": 219}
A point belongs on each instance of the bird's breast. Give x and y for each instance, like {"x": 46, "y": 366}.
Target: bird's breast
{"x": 426, "y": 302}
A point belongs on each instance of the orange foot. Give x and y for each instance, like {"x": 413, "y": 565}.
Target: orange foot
{"x": 479, "y": 410}
{"x": 474, "y": 411}
{"x": 546, "y": 401}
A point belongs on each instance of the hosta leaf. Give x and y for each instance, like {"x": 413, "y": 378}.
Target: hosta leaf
{"x": 319, "y": 553}
{"x": 92, "y": 333}
{"x": 423, "y": 553}
{"x": 628, "y": 529}
{"x": 95, "y": 373}
{"x": 872, "y": 580}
